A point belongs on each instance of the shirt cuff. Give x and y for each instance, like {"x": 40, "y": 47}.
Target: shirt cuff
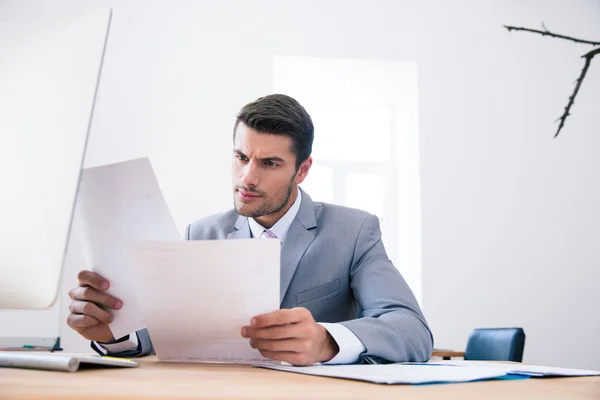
{"x": 350, "y": 345}
{"x": 130, "y": 344}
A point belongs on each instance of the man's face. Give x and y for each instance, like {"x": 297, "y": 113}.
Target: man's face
{"x": 263, "y": 171}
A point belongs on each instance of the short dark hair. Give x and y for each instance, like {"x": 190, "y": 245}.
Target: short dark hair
{"x": 279, "y": 114}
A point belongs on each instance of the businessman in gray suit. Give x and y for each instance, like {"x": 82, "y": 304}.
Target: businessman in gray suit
{"x": 333, "y": 262}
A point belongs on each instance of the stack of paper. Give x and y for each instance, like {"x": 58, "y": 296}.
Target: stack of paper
{"x": 522, "y": 369}
{"x": 399, "y": 373}
{"x": 194, "y": 297}
{"x": 428, "y": 373}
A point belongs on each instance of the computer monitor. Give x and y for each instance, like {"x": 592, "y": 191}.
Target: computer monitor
{"x": 49, "y": 77}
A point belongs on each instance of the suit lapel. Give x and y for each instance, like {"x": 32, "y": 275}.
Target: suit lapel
{"x": 242, "y": 230}
{"x": 299, "y": 237}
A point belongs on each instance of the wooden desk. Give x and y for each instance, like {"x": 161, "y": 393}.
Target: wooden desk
{"x": 170, "y": 380}
{"x": 447, "y": 354}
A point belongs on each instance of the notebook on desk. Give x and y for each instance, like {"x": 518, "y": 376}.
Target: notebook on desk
{"x": 60, "y": 362}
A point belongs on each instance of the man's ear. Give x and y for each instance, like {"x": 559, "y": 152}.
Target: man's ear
{"x": 303, "y": 170}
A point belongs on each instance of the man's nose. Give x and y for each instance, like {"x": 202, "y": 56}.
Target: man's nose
{"x": 250, "y": 175}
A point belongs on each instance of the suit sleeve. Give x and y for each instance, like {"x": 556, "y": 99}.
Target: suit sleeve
{"x": 144, "y": 347}
{"x": 393, "y": 328}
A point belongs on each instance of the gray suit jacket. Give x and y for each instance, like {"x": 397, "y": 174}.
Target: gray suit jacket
{"x": 334, "y": 264}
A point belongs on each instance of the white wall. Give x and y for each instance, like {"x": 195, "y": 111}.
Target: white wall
{"x": 510, "y": 226}
{"x": 510, "y": 216}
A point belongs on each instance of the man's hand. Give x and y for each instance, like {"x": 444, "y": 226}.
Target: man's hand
{"x": 292, "y": 336}
{"x": 89, "y": 301}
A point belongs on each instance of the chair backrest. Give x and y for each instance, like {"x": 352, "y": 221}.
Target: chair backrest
{"x": 497, "y": 344}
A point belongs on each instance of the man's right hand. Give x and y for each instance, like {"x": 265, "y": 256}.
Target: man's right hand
{"x": 88, "y": 307}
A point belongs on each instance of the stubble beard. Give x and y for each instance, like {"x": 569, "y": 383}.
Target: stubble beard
{"x": 267, "y": 208}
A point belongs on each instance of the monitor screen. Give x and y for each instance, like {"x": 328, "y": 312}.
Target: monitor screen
{"x": 49, "y": 76}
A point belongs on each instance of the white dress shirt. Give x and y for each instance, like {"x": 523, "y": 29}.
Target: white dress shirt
{"x": 281, "y": 227}
{"x": 350, "y": 346}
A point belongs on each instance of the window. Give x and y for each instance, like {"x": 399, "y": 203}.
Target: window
{"x": 365, "y": 150}
{"x": 353, "y": 164}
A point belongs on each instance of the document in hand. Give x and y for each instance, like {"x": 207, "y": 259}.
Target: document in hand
{"x": 193, "y": 296}
{"x": 117, "y": 203}
{"x": 197, "y": 295}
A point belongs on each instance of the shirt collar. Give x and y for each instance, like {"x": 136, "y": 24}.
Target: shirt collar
{"x": 281, "y": 227}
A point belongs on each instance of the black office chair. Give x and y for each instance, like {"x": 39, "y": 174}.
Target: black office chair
{"x": 497, "y": 344}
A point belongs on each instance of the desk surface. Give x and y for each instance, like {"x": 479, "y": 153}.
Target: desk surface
{"x": 155, "y": 379}
{"x": 447, "y": 353}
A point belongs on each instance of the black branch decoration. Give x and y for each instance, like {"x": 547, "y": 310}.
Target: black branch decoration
{"x": 587, "y": 61}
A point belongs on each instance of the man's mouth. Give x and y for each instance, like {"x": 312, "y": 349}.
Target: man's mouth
{"x": 248, "y": 195}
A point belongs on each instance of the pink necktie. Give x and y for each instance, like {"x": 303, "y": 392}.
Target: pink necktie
{"x": 267, "y": 234}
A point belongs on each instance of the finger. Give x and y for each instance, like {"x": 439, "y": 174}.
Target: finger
{"x": 282, "y": 345}
{"x": 89, "y": 278}
{"x": 80, "y": 321}
{"x": 88, "y": 308}
{"x": 101, "y": 298}
{"x": 288, "y": 356}
{"x": 271, "y": 332}
{"x": 279, "y": 317}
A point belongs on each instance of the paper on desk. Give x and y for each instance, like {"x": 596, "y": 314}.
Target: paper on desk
{"x": 399, "y": 373}
{"x": 522, "y": 369}
{"x": 116, "y": 203}
{"x": 197, "y": 295}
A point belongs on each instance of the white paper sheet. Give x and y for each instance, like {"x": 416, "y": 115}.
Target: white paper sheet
{"x": 117, "y": 203}
{"x": 197, "y": 295}
{"x": 399, "y": 373}
{"x": 522, "y": 369}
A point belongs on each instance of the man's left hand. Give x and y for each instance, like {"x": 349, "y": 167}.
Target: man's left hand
{"x": 292, "y": 336}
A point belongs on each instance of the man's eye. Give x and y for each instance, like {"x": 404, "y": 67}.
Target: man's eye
{"x": 270, "y": 164}
{"x": 241, "y": 158}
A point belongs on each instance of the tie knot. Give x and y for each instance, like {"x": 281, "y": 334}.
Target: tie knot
{"x": 267, "y": 234}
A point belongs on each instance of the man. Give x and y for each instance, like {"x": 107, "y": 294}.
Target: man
{"x": 333, "y": 262}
